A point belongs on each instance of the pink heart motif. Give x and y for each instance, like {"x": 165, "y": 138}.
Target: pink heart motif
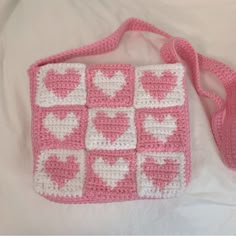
{"x": 160, "y": 174}
{"x": 62, "y": 84}
{"x": 111, "y": 127}
{"x": 59, "y": 171}
{"x": 158, "y": 86}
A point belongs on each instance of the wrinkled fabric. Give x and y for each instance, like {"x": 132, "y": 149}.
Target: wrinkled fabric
{"x": 30, "y": 30}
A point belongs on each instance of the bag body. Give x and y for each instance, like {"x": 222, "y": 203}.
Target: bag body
{"x": 110, "y": 132}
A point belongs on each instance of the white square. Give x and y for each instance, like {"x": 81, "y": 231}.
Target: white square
{"x": 111, "y": 129}
{"x": 44, "y": 183}
{"x": 55, "y": 86}
{"x": 170, "y": 184}
{"x": 155, "y": 89}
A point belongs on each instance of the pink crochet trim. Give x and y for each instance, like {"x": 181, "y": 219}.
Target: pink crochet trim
{"x": 116, "y": 132}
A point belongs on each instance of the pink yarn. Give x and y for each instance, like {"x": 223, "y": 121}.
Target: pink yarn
{"x": 59, "y": 177}
{"x": 60, "y": 86}
{"x": 116, "y": 132}
{"x": 160, "y": 175}
{"x": 115, "y": 126}
{"x": 156, "y": 86}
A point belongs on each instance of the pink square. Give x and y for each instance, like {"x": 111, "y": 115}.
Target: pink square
{"x": 110, "y": 85}
{"x": 161, "y": 129}
{"x": 110, "y": 175}
{"x": 60, "y": 127}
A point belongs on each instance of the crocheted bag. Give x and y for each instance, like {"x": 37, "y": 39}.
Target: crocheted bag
{"x": 113, "y": 132}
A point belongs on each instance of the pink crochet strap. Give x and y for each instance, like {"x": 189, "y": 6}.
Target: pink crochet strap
{"x": 223, "y": 120}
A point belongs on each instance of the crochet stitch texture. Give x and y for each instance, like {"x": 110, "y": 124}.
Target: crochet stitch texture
{"x": 112, "y": 132}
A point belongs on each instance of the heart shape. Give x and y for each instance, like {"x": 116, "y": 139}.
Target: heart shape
{"x": 160, "y": 174}
{"x": 111, "y": 127}
{"x": 62, "y": 84}
{"x": 111, "y": 173}
{"x": 60, "y": 172}
{"x": 158, "y": 86}
{"x": 109, "y": 84}
{"x": 160, "y": 129}
{"x": 61, "y": 125}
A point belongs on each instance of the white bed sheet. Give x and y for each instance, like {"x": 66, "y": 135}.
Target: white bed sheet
{"x": 30, "y": 30}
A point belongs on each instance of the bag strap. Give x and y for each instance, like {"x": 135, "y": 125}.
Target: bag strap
{"x": 223, "y": 119}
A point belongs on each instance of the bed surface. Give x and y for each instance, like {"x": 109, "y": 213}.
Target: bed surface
{"x": 30, "y": 30}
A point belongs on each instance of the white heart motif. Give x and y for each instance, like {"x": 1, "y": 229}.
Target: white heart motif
{"x": 111, "y": 174}
{"x": 60, "y": 127}
{"x": 161, "y": 130}
{"x": 109, "y": 86}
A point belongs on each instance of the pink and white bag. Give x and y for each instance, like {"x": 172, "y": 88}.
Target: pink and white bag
{"x": 115, "y": 132}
